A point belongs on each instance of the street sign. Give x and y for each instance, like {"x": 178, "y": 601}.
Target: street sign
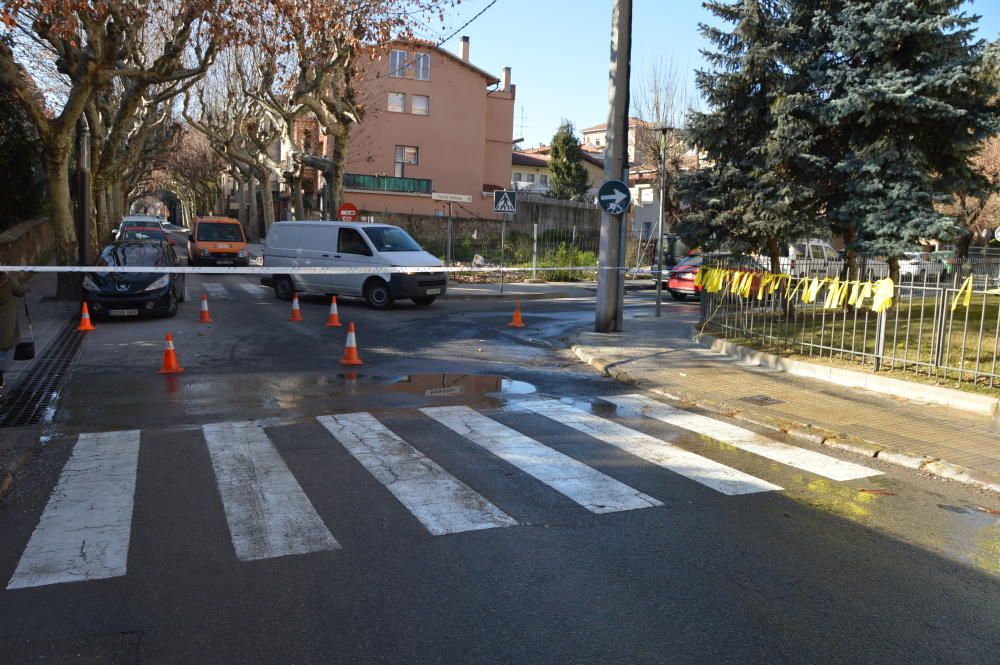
{"x": 614, "y": 197}
{"x": 452, "y": 198}
{"x": 505, "y": 201}
{"x": 348, "y": 212}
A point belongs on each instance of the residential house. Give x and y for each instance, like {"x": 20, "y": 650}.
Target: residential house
{"x": 530, "y": 168}
{"x": 596, "y": 137}
{"x": 434, "y": 122}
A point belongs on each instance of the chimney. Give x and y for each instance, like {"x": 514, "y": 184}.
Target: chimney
{"x": 463, "y": 50}
{"x": 505, "y": 80}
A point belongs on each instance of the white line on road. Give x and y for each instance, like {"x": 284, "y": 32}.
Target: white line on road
{"x": 216, "y": 290}
{"x": 85, "y": 529}
{"x": 255, "y": 290}
{"x": 268, "y": 513}
{"x": 440, "y": 501}
{"x": 744, "y": 439}
{"x": 588, "y": 487}
{"x": 699, "y": 469}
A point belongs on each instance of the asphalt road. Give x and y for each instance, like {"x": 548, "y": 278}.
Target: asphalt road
{"x": 471, "y": 494}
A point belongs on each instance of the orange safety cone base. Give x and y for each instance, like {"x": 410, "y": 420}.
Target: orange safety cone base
{"x": 333, "y": 321}
{"x": 171, "y": 371}
{"x": 296, "y": 316}
{"x": 351, "y": 356}
{"x": 85, "y": 323}
{"x": 516, "y": 322}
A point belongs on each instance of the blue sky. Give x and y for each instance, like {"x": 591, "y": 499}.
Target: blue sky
{"x": 558, "y": 51}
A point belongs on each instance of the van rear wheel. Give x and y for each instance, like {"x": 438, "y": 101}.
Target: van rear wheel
{"x": 377, "y": 294}
{"x": 283, "y": 287}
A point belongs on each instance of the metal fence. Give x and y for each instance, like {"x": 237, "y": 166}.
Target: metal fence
{"x": 925, "y": 331}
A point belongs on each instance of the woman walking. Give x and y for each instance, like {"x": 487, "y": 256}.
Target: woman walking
{"x": 10, "y": 332}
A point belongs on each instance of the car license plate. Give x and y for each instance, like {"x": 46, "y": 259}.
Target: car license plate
{"x": 123, "y": 312}
{"x": 224, "y": 245}
{"x": 224, "y": 263}
{"x": 433, "y": 292}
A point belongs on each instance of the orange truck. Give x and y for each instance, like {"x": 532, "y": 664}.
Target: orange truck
{"x": 217, "y": 241}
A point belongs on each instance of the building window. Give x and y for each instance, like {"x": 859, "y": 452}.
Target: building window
{"x": 544, "y": 180}
{"x": 397, "y": 102}
{"x": 530, "y": 177}
{"x": 422, "y": 62}
{"x": 420, "y": 105}
{"x": 398, "y": 66}
{"x": 517, "y": 177}
{"x": 405, "y": 154}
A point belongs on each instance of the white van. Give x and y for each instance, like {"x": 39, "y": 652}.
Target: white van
{"x": 351, "y": 245}
{"x": 810, "y": 258}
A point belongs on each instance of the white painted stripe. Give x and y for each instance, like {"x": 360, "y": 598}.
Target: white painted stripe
{"x": 699, "y": 469}
{"x": 187, "y": 292}
{"x": 744, "y": 439}
{"x": 216, "y": 290}
{"x": 85, "y": 529}
{"x": 588, "y": 487}
{"x": 441, "y": 502}
{"x": 254, "y": 290}
{"x": 268, "y": 513}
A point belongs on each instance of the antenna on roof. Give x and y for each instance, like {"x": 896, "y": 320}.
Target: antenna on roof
{"x": 522, "y": 125}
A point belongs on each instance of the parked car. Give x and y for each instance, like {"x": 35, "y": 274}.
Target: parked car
{"x": 680, "y": 279}
{"x": 809, "y": 258}
{"x": 356, "y": 245}
{"x": 919, "y": 267}
{"x": 138, "y": 220}
{"x": 135, "y": 294}
{"x": 153, "y": 233}
{"x": 217, "y": 241}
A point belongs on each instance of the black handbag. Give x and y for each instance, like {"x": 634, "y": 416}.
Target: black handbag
{"x": 26, "y": 350}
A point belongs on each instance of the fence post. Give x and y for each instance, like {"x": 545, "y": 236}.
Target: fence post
{"x": 939, "y": 329}
{"x": 534, "y": 251}
{"x": 880, "y": 325}
{"x": 503, "y": 234}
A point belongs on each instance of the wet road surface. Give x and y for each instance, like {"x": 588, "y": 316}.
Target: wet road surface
{"x": 471, "y": 494}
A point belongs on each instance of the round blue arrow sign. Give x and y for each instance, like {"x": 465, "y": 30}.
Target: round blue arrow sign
{"x": 614, "y": 197}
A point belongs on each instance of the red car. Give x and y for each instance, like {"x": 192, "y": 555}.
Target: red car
{"x": 680, "y": 278}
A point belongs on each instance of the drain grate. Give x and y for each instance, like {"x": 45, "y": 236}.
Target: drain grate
{"x": 762, "y": 400}
{"x": 27, "y": 399}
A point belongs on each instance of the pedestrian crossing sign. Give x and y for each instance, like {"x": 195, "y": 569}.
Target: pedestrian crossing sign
{"x": 505, "y": 201}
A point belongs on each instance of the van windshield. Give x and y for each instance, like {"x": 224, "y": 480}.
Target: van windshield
{"x": 218, "y": 232}
{"x": 391, "y": 239}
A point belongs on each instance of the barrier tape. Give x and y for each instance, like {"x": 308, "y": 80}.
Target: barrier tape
{"x": 274, "y": 270}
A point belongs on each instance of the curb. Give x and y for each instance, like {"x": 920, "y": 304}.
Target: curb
{"x": 804, "y": 431}
{"x": 504, "y": 297}
{"x": 982, "y": 405}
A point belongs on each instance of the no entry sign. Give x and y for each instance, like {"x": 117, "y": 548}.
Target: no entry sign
{"x": 348, "y": 212}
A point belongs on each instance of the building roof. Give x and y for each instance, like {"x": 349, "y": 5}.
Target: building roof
{"x": 595, "y": 156}
{"x": 603, "y": 127}
{"x": 490, "y": 78}
{"x": 523, "y": 159}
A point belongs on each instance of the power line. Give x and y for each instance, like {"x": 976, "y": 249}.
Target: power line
{"x": 468, "y": 23}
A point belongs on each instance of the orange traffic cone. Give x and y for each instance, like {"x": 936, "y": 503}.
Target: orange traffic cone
{"x": 205, "y": 316}
{"x": 333, "y": 321}
{"x": 516, "y": 322}
{"x": 351, "y": 349}
{"x": 170, "y": 365}
{"x": 296, "y": 312}
{"x": 85, "y": 324}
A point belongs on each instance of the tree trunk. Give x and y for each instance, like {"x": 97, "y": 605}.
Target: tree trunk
{"x": 295, "y": 196}
{"x": 335, "y": 174}
{"x": 252, "y": 209}
{"x": 55, "y": 158}
{"x": 267, "y": 203}
{"x": 241, "y": 192}
{"x": 894, "y": 269}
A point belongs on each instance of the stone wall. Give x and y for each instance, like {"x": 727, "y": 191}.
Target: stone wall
{"x": 565, "y": 221}
{"x": 29, "y": 243}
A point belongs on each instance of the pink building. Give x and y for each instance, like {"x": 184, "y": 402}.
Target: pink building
{"x": 434, "y": 122}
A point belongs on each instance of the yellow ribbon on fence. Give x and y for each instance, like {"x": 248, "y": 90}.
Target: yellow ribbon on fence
{"x": 883, "y": 292}
{"x": 964, "y": 295}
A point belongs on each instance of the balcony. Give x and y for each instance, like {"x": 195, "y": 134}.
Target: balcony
{"x": 377, "y": 183}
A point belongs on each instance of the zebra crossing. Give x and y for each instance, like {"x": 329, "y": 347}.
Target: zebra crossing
{"x": 227, "y": 291}
{"x": 86, "y": 527}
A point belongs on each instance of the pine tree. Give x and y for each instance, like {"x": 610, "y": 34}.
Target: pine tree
{"x": 569, "y": 178}
{"x": 900, "y": 107}
{"x": 742, "y": 198}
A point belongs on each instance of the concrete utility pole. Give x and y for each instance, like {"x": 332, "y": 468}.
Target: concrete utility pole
{"x": 611, "y": 276}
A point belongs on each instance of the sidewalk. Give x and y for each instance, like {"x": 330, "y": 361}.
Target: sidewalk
{"x": 659, "y": 356}
{"x": 48, "y": 316}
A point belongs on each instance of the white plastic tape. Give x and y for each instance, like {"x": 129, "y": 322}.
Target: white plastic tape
{"x": 273, "y": 270}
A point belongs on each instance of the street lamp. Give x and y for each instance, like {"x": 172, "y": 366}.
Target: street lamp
{"x": 663, "y": 129}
